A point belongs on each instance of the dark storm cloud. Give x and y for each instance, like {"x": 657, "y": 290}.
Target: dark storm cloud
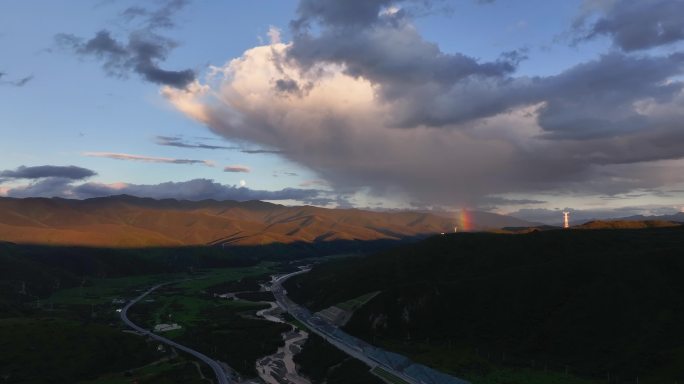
{"x": 140, "y": 53}
{"x": 596, "y": 99}
{"x": 197, "y": 189}
{"x": 47, "y": 180}
{"x": 47, "y": 187}
{"x": 287, "y": 86}
{"x": 44, "y": 171}
{"x": 387, "y": 50}
{"x": 435, "y": 88}
{"x": 342, "y": 13}
{"x": 390, "y": 51}
{"x": 637, "y": 24}
{"x": 495, "y": 200}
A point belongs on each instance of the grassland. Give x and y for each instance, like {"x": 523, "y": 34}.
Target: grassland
{"x": 224, "y": 329}
{"x": 356, "y": 303}
{"x": 74, "y": 333}
{"x": 72, "y": 287}
{"x": 216, "y": 276}
{"x": 185, "y": 301}
{"x": 291, "y": 320}
{"x": 98, "y": 291}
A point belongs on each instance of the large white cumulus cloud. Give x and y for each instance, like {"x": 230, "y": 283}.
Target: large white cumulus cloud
{"x": 375, "y": 106}
{"x": 335, "y": 124}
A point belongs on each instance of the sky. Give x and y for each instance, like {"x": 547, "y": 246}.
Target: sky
{"x": 524, "y": 108}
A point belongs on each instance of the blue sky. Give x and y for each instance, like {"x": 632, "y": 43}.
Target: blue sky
{"x": 71, "y": 106}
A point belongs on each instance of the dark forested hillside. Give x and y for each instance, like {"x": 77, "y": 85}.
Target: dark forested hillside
{"x": 591, "y": 301}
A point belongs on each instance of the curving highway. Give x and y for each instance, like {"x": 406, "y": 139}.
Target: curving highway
{"x": 407, "y": 371}
{"x": 318, "y": 327}
{"x": 221, "y": 376}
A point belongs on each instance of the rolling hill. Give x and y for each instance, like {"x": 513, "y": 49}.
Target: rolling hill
{"x": 676, "y": 217}
{"x": 127, "y": 221}
{"x": 587, "y": 302}
{"x": 627, "y": 224}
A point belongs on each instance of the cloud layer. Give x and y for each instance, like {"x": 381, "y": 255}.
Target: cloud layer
{"x": 196, "y": 189}
{"x": 359, "y": 97}
{"x": 62, "y": 181}
{"x": 177, "y": 141}
{"x": 70, "y": 172}
{"x": 147, "y": 159}
{"x": 45, "y": 180}
{"x": 633, "y": 24}
{"x": 174, "y": 141}
{"x": 141, "y": 52}
{"x": 15, "y": 83}
{"x": 236, "y": 169}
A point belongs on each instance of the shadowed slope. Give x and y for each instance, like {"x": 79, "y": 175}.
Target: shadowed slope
{"x": 595, "y": 301}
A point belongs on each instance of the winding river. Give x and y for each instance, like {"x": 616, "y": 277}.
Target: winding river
{"x": 280, "y": 368}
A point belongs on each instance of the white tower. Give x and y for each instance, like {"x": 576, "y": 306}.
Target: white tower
{"x": 566, "y": 219}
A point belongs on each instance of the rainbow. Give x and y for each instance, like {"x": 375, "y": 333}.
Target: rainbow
{"x": 464, "y": 220}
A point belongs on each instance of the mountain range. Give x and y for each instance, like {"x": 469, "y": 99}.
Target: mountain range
{"x": 128, "y": 221}
{"x": 676, "y": 217}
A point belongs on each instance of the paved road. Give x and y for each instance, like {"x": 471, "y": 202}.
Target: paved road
{"x": 221, "y": 376}
{"x": 319, "y": 327}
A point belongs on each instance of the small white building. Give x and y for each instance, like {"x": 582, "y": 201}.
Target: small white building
{"x": 166, "y": 327}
